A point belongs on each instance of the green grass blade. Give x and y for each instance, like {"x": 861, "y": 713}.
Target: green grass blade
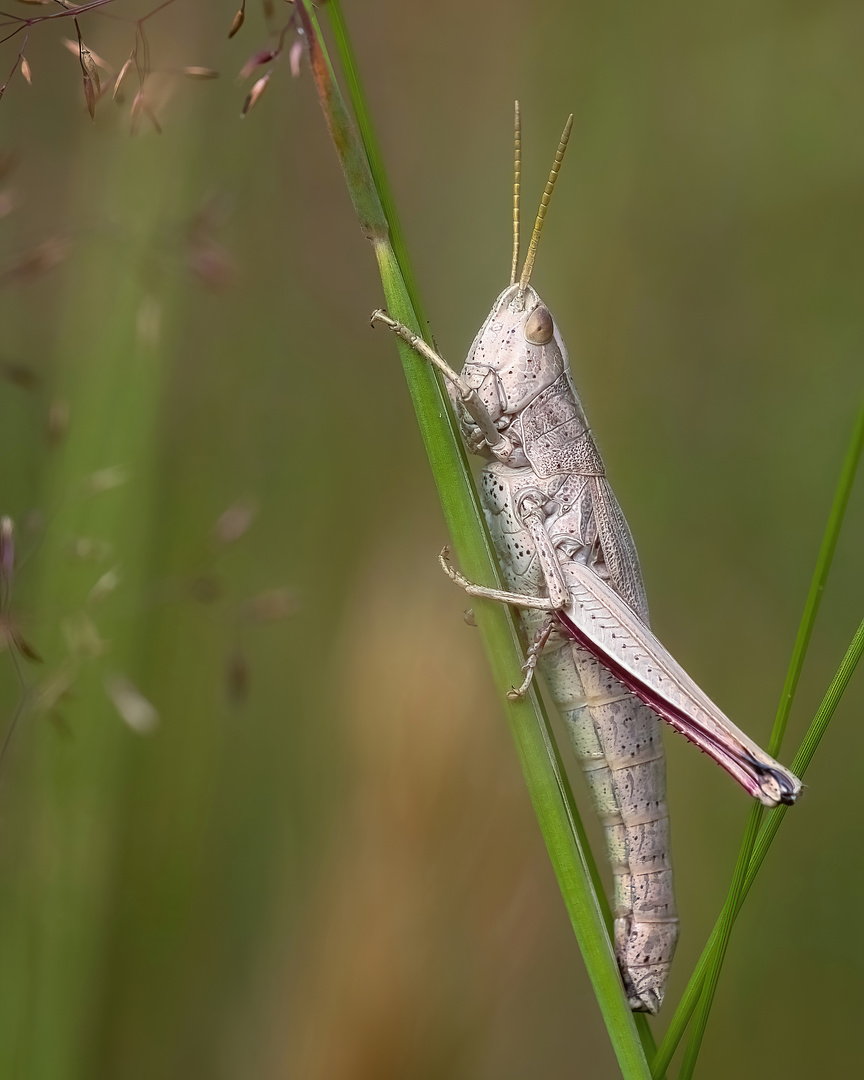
{"x": 382, "y": 183}
{"x": 764, "y": 840}
{"x": 807, "y": 751}
{"x": 707, "y": 971}
{"x": 357, "y": 97}
{"x": 718, "y": 952}
{"x": 541, "y": 765}
{"x": 101, "y": 483}
{"x": 817, "y": 585}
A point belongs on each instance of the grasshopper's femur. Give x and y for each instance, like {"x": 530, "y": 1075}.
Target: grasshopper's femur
{"x": 544, "y": 203}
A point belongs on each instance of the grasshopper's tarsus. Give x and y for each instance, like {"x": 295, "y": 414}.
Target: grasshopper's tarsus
{"x": 517, "y": 693}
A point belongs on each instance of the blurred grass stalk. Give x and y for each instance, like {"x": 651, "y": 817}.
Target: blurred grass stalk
{"x": 541, "y": 765}
{"x": 97, "y": 496}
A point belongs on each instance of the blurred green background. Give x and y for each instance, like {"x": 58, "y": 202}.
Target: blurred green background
{"x": 316, "y": 857}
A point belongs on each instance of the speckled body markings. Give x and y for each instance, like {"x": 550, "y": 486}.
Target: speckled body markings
{"x": 571, "y": 568}
{"x": 555, "y": 466}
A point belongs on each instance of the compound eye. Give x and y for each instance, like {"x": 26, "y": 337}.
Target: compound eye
{"x": 539, "y": 327}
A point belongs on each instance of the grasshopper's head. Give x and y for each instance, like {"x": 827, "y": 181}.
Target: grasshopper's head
{"x": 517, "y": 353}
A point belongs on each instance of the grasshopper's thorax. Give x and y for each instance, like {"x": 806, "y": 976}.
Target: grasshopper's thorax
{"x": 518, "y": 367}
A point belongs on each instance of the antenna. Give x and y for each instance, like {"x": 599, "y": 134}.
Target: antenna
{"x": 517, "y": 172}
{"x": 544, "y": 202}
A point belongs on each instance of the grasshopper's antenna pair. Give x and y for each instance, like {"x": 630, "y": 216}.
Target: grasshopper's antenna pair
{"x": 544, "y": 201}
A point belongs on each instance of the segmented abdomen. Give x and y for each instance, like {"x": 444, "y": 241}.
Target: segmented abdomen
{"x": 619, "y": 745}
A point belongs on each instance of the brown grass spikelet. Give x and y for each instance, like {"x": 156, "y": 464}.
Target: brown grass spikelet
{"x": 57, "y": 422}
{"x": 262, "y": 56}
{"x": 25, "y": 71}
{"x": 139, "y": 714}
{"x": 89, "y": 66}
{"x": 72, "y": 45}
{"x": 20, "y": 375}
{"x": 255, "y": 93}
{"x": 104, "y": 586}
{"x": 236, "y": 677}
{"x": 141, "y": 106}
{"x": 199, "y": 73}
{"x": 112, "y": 476}
{"x": 120, "y": 77}
{"x": 239, "y": 19}
{"x": 36, "y": 262}
{"x": 273, "y": 605}
{"x": 7, "y": 550}
{"x": 90, "y": 96}
{"x": 295, "y": 54}
{"x": 55, "y": 687}
{"x": 234, "y": 522}
{"x": 211, "y": 265}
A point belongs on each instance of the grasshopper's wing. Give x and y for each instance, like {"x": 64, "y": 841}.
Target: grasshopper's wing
{"x": 619, "y": 551}
{"x": 608, "y": 628}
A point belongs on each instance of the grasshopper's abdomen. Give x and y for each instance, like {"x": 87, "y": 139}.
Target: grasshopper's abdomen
{"x": 619, "y": 744}
{"x": 616, "y": 738}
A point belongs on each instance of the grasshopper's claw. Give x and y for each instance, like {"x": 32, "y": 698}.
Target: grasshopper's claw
{"x": 450, "y": 570}
{"x": 517, "y": 693}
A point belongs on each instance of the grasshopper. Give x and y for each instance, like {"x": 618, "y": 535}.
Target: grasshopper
{"x": 571, "y": 568}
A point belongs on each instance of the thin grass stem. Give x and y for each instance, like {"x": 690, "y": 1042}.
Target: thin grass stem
{"x": 817, "y": 585}
{"x": 721, "y": 942}
{"x": 547, "y": 782}
{"x": 767, "y": 833}
{"x": 707, "y": 971}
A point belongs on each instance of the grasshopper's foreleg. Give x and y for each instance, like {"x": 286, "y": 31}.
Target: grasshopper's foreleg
{"x": 469, "y": 397}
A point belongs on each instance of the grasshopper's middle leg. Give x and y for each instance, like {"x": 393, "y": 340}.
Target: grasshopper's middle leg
{"x": 540, "y": 603}
{"x": 544, "y": 629}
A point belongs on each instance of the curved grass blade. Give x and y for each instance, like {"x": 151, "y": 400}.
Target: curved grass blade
{"x": 764, "y": 840}
{"x": 376, "y": 162}
{"x": 704, "y": 979}
{"x": 718, "y": 952}
{"x": 357, "y": 97}
{"x": 817, "y": 585}
{"x": 547, "y": 784}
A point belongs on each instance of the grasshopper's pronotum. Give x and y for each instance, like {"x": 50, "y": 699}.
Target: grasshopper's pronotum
{"x": 569, "y": 560}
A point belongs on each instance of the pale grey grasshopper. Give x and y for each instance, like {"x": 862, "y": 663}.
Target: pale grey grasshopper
{"x": 568, "y": 558}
